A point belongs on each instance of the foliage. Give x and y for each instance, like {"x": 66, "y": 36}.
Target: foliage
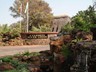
{"x": 67, "y": 28}
{"x": 65, "y": 51}
{"x": 6, "y": 59}
{"x": 39, "y": 12}
{"x": 77, "y": 40}
{"x": 18, "y": 65}
{"x": 42, "y": 28}
{"x": 35, "y": 29}
{"x": 27, "y": 53}
{"x": 15, "y": 28}
{"x": 9, "y": 32}
{"x": 18, "y": 70}
{"x": 45, "y": 28}
{"x": 14, "y": 70}
{"x": 15, "y": 33}
{"x": 84, "y": 20}
{"x": 4, "y": 28}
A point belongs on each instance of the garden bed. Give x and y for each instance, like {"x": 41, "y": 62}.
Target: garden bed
{"x": 27, "y": 62}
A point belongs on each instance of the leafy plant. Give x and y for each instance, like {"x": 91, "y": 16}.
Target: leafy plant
{"x": 65, "y": 50}
{"x": 4, "y": 29}
{"x": 8, "y": 32}
{"x": 23, "y": 70}
{"x": 43, "y": 28}
{"x": 67, "y": 28}
{"x": 18, "y": 65}
{"x": 18, "y": 70}
{"x": 14, "y": 70}
{"x": 35, "y": 29}
{"x": 15, "y": 63}
{"x": 35, "y": 54}
{"x": 77, "y": 40}
{"x": 15, "y": 33}
{"x": 84, "y": 20}
{"x": 27, "y": 53}
{"x": 6, "y": 59}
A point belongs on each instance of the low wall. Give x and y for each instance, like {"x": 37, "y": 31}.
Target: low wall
{"x": 37, "y": 38}
{"x": 36, "y": 42}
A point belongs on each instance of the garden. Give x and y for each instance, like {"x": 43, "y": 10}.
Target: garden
{"x": 66, "y": 54}
{"x": 72, "y": 50}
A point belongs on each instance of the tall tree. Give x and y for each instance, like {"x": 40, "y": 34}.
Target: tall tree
{"x": 39, "y": 12}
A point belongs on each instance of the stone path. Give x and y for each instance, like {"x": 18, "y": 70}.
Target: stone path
{"x": 11, "y": 50}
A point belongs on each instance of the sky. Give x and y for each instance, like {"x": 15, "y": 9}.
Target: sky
{"x": 59, "y": 7}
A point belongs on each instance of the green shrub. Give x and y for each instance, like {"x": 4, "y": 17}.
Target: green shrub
{"x": 15, "y": 63}
{"x": 15, "y": 33}
{"x": 84, "y": 20}
{"x": 65, "y": 51}
{"x": 43, "y": 28}
{"x": 6, "y": 59}
{"x": 67, "y": 28}
{"x": 27, "y": 53}
{"x": 18, "y": 70}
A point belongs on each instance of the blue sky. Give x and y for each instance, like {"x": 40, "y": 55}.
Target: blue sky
{"x": 59, "y": 7}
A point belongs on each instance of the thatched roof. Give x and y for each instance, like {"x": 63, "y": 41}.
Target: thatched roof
{"x": 61, "y": 16}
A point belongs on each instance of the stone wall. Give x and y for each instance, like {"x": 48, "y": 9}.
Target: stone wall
{"x": 24, "y": 40}
{"x": 38, "y": 41}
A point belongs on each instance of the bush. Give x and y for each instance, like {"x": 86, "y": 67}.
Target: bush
{"x": 43, "y": 28}
{"x": 65, "y": 51}
{"x": 67, "y": 29}
{"x": 18, "y": 65}
{"x": 15, "y": 33}
{"x": 84, "y": 20}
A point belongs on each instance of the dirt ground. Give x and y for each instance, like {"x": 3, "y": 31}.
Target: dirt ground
{"x": 11, "y": 50}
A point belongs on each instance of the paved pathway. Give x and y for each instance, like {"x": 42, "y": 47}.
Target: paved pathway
{"x": 11, "y": 50}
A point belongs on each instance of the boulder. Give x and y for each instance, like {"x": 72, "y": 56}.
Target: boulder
{"x": 56, "y": 43}
{"x": 6, "y": 66}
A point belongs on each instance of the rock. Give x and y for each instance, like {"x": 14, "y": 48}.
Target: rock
{"x": 57, "y": 42}
{"x": 18, "y": 38}
{"x": 66, "y": 39}
{"x": 45, "y": 53}
{"x": 6, "y": 66}
{"x": 34, "y": 68}
{"x": 46, "y": 61}
{"x": 35, "y": 60}
{"x": 24, "y": 58}
{"x": 86, "y": 36}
